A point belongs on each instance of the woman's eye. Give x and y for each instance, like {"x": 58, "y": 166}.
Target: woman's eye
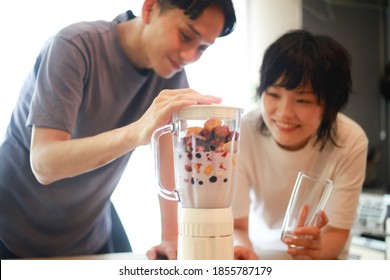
{"x": 304, "y": 101}
{"x": 272, "y": 94}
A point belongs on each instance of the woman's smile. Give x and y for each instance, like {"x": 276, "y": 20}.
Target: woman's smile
{"x": 285, "y": 126}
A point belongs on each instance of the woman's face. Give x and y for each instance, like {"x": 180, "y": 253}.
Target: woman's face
{"x": 292, "y": 116}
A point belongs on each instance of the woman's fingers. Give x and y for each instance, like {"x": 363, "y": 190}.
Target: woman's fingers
{"x": 302, "y": 215}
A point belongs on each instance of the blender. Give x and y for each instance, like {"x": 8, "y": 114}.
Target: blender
{"x": 206, "y": 146}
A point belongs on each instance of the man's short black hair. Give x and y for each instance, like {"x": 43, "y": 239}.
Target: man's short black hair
{"x": 194, "y": 8}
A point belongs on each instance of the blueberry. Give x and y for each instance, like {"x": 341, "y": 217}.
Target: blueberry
{"x": 213, "y": 179}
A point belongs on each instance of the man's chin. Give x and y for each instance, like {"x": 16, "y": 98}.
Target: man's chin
{"x": 168, "y": 74}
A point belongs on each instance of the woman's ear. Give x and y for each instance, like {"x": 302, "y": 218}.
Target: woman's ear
{"x": 147, "y": 8}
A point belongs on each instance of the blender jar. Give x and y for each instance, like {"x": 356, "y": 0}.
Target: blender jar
{"x": 205, "y": 146}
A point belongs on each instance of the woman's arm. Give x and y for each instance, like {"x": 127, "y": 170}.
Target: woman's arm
{"x": 333, "y": 242}
{"x": 325, "y": 242}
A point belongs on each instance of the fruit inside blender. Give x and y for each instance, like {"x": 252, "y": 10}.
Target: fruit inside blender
{"x": 205, "y": 165}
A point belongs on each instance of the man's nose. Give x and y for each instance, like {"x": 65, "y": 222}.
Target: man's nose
{"x": 189, "y": 56}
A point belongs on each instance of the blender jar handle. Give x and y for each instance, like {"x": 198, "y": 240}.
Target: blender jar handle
{"x": 162, "y": 191}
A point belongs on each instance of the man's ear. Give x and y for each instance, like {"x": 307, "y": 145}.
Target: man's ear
{"x": 147, "y": 8}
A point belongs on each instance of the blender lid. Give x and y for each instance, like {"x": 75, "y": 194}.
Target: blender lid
{"x": 201, "y": 111}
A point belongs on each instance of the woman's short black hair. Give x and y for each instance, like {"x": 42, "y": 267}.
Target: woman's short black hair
{"x": 193, "y": 9}
{"x": 298, "y": 58}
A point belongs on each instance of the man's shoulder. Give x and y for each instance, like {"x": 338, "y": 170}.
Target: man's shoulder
{"x": 96, "y": 26}
{"x": 83, "y": 28}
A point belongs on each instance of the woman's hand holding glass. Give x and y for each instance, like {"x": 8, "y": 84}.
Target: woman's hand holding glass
{"x": 307, "y": 241}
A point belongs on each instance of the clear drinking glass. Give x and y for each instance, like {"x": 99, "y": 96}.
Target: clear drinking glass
{"x": 309, "y": 197}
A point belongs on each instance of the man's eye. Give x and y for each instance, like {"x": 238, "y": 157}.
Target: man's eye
{"x": 202, "y": 48}
{"x": 185, "y": 37}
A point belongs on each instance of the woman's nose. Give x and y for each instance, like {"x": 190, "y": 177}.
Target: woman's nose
{"x": 286, "y": 107}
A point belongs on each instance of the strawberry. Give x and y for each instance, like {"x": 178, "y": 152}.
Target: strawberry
{"x": 221, "y": 133}
{"x": 233, "y": 135}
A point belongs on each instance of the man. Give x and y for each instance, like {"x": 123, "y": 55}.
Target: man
{"x": 97, "y": 91}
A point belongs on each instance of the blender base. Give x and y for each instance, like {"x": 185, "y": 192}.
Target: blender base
{"x": 205, "y": 234}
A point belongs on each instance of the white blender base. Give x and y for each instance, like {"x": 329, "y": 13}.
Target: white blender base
{"x": 203, "y": 248}
{"x": 205, "y": 234}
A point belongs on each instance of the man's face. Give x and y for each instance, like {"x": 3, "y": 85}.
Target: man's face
{"x": 172, "y": 40}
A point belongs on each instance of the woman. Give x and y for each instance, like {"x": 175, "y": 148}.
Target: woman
{"x": 305, "y": 83}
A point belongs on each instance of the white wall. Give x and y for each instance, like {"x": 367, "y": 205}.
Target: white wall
{"x": 269, "y": 19}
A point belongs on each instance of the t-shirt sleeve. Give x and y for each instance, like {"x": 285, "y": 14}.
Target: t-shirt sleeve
{"x": 60, "y": 70}
{"x": 348, "y": 181}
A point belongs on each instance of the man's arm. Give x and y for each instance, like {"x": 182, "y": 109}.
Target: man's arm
{"x": 243, "y": 246}
{"x": 54, "y": 155}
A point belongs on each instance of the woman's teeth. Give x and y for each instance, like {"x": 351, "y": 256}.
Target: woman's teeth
{"x": 284, "y": 125}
